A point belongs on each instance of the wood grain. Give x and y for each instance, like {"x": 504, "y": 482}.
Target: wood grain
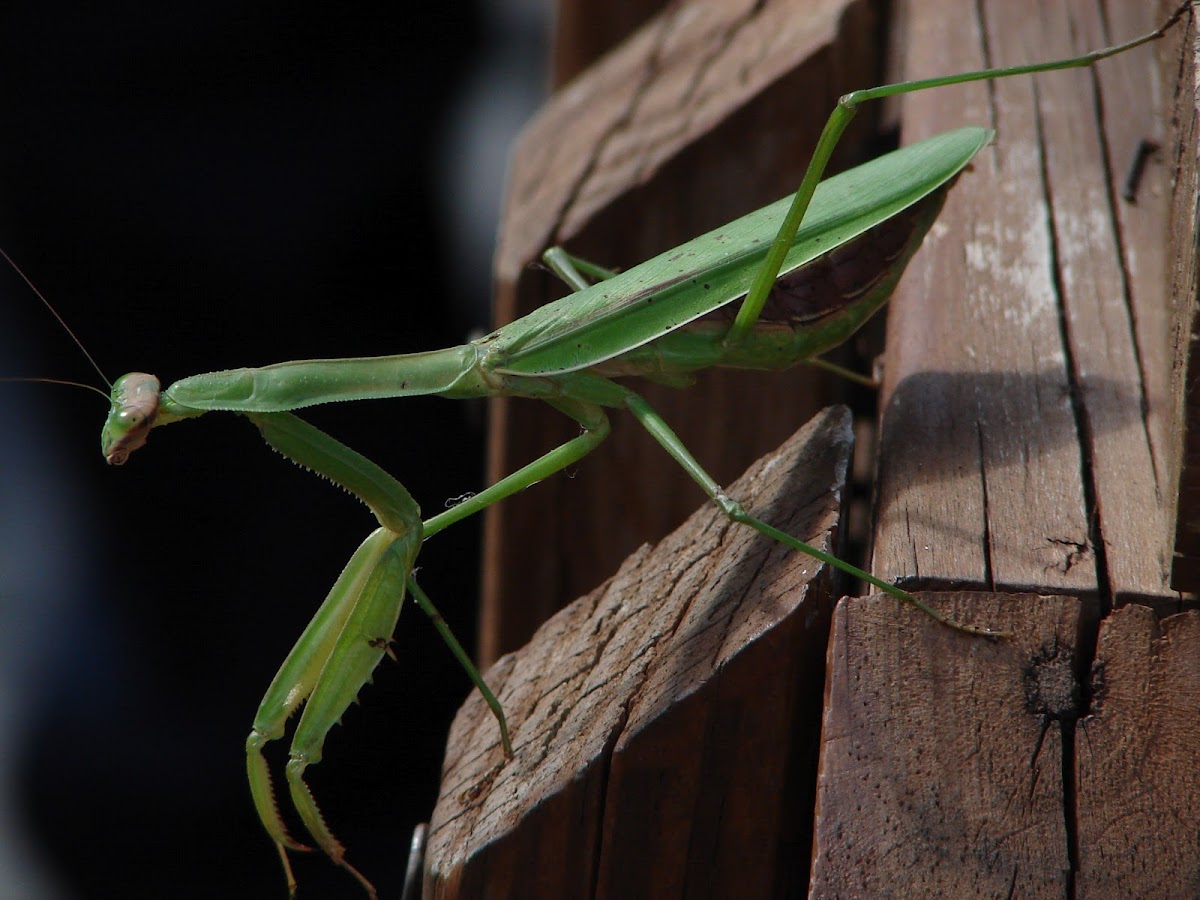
{"x": 585, "y": 30}
{"x": 1023, "y": 445}
{"x": 1025, "y": 396}
{"x": 1181, "y": 66}
{"x": 942, "y": 754}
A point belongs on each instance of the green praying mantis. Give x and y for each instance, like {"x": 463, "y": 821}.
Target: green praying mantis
{"x": 772, "y": 289}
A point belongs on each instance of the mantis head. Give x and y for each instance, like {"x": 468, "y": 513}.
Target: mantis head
{"x": 131, "y": 416}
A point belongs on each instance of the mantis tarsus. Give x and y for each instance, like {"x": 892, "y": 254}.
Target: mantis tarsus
{"x": 541, "y": 357}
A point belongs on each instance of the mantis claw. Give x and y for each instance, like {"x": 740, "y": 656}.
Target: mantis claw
{"x": 263, "y": 790}
{"x": 310, "y": 813}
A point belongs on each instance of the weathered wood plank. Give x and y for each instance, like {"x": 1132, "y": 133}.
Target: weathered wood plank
{"x": 1136, "y": 774}
{"x": 665, "y": 725}
{"x": 709, "y": 112}
{"x": 1137, "y": 122}
{"x": 1023, "y": 446}
{"x": 942, "y": 754}
{"x": 1024, "y": 398}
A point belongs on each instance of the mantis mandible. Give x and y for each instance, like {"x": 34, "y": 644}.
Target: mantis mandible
{"x": 661, "y": 320}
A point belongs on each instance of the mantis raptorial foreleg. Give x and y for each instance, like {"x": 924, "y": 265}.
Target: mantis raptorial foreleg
{"x": 348, "y": 636}
{"x": 346, "y": 639}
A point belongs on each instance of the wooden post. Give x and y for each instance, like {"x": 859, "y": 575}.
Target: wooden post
{"x": 1029, "y": 446}
{"x": 1024, "y": 447}
{"x": 1024, "y": 440}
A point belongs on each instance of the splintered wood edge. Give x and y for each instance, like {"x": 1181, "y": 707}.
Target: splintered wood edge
{"x": 654, "y": 720}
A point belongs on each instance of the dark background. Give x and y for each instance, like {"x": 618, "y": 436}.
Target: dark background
{"x": 198, "y": 186}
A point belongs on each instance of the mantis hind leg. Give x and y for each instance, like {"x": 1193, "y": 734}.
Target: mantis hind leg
{"x": 841, "y": 116}
{"x": 670, "y": 442}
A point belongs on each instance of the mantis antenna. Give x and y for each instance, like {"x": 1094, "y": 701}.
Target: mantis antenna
{"x": 67, "y": 328}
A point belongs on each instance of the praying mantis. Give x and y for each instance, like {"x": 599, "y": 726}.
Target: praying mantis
{"x": 964, "y": 145}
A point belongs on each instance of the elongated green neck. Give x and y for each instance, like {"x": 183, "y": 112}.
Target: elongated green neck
{"x": 294, "y": 385}
{"x": 138, "y": 404}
